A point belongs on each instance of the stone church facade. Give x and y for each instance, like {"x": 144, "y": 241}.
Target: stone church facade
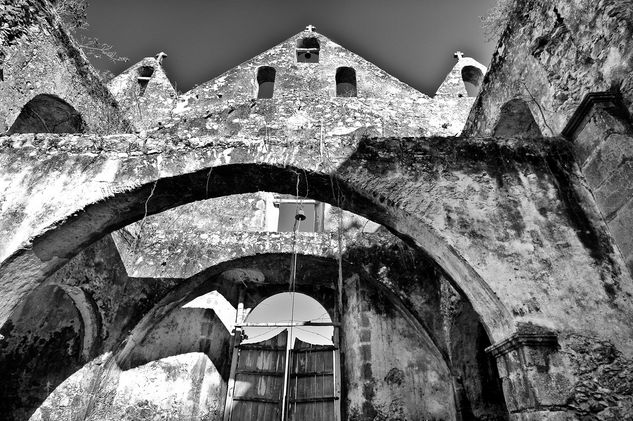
{"x": 471, "y": 250}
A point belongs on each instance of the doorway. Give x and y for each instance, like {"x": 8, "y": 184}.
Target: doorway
{"x": 285, "y": 363}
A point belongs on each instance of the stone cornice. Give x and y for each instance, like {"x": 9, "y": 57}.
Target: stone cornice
{"x": 520, "y": 340}
{"x": 590, "y": 100}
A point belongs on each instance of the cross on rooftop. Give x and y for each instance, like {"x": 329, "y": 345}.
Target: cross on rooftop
{"x": 310, "y": 28}
{"x": 160, "y": 56}
{"x": 458, "y": 55}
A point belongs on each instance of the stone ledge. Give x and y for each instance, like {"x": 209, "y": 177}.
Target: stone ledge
{"x": 544, "y": 414}
{"x": 519, "y": 340}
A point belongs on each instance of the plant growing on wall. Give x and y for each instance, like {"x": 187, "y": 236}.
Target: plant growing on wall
{"x": 497, "y": 19}
{"x": 75, "y": 19}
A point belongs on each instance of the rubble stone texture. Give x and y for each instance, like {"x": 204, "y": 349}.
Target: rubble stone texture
{"x": 475, "y": 253}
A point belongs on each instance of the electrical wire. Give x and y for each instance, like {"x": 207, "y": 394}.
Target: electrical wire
{"x": 315, "y": 333}
{"x": 261, "y": 334}
{"x": 292, "y": 289}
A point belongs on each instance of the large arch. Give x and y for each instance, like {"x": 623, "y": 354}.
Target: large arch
{"x": 53, "y": 248}
{"x": 490, "y": 213}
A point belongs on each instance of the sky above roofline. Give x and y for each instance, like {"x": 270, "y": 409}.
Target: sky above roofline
{"x": 414, "y": 40}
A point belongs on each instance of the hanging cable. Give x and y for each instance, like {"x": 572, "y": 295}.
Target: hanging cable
{"x": 299, "y": 217}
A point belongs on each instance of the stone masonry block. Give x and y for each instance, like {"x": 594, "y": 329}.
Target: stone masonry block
{"x": 610, "y": 154}
{"x": 616, "y": 190}
{"x": 621, "y": 227}
{"x": 590, "y": 137}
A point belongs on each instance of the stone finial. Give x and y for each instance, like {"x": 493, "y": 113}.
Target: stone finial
{"x": 458, "y": 55}
{"x": 160, "y": 56}
{"x": 310, "y": 28}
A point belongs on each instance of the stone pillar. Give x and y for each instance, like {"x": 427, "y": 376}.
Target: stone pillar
{"x": 535, "y": 381}
{"x": 602, "y": 137}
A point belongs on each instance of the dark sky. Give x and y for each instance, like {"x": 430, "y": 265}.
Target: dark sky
{"x": 414, "y": 40}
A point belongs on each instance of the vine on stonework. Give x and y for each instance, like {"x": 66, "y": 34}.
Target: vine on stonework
{"x": 74, "y": 15}
{"x": 16, "y": 16}
{"x": 497, "y": 19}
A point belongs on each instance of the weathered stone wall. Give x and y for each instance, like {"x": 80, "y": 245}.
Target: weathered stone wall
{"x": 145, "y": 94}
{"x": 604, "y": 386}
{"x": 41, "y": 347}
{"x": 183, "y": 387}
{"x": 305, "y": 118}
{"x": 551, "y": 55}
{"x": 569, "y": 377}
{"x": 38, "y": 57}
{"x": 234, "y": 215}
{"x": 183, "y": 331}
{"x": 602, "y": 136}
{"x": 393, "y": 370}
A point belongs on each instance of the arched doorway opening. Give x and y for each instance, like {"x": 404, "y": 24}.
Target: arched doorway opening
{"x": 286, "y": 362}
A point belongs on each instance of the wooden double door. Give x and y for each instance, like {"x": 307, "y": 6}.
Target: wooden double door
{"x": 259, "y": 372}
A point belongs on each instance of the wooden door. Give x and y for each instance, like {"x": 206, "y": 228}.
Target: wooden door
{"x": 312, "y": 388}
{"x": 259, "y": 380}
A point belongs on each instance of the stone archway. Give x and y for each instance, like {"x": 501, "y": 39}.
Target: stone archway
{"x": 50, "y": 250}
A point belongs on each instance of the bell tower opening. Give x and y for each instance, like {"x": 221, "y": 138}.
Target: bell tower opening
{"x": 308, "y": 50}
{"x": 473, "y": 78}
{"x": 145, "y": 74}
{"x": 266, "y": 82}
{"x": 345, "y": 82}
